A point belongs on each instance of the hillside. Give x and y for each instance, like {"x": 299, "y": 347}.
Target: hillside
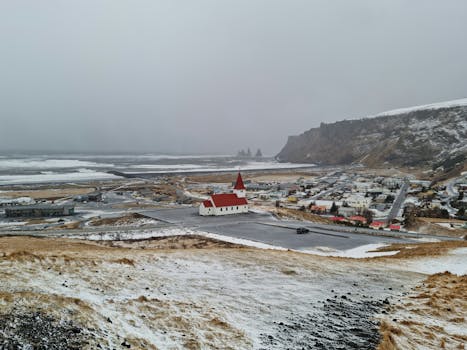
{"x": 419, "y": 136}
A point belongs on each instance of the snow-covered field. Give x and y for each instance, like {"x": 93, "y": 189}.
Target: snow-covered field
{"x": 212, "y": 298}
{"x": 201, "y": 299}
{"x": 454, "y": 262}
{"x": 364, "y": 251}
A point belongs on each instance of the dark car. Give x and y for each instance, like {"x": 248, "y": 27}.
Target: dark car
{"x": 302, "y": 230}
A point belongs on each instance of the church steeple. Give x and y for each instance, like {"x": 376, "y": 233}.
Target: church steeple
{"x": 239, "y": 188}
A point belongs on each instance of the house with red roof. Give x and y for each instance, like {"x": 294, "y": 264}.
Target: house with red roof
{"x": 338, "y": 219}
{"x": 358, "y": 219}
{"x": 226, "y": 203}
{"x": 377, "y": 225}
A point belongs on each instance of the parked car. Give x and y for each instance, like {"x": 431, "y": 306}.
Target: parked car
{"x": 302, "y": 230}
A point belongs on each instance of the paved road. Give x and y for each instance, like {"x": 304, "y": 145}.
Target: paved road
{"x": 326, "y": 192}
{"x": 452, "y": 193}
{"x": 396, "y": 206}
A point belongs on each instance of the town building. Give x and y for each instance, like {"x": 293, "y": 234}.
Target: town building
{"x": 89, "y": 197}
{"x": 346, "y": 211}
{"x": 226, "y": 203}
{"x": 358, "y": 202}
{"x": 39, "y": 211}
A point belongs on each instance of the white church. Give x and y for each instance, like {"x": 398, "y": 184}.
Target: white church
{"x": 226, "y": 203}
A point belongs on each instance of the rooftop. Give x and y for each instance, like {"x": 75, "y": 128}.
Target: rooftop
{"x": 227, "y": 200}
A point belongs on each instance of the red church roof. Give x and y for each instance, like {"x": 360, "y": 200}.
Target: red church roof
{"x": 227, "y": 200}
{"x": 239, "y": 184}
{"x": 207, "y": 204}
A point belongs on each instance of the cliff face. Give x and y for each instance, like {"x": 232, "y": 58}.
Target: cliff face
{"x": 421, "y": 136}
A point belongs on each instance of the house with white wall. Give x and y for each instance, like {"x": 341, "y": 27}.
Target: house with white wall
{"x": 358, "y": 201}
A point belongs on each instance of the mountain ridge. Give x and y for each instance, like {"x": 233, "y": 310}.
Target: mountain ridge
{"x": 424, "y": 135}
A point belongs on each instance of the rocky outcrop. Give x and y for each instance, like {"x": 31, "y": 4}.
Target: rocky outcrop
{"x": 419, "y": 136}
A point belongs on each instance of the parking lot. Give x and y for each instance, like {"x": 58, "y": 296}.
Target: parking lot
{"x": 265, "y": 228}
{"x": 189, "y": 216}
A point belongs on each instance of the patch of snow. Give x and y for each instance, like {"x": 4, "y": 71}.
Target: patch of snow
{"x": 445, "y": 225}
{"x": 20, "y": 200}
{"x": 241, "y": 241}
{"x": 439, "y": 105}
{"x": 258, "y": 211}
{"x": 364, "y": 251}
{"x": 13, "y": 223}
{"x": 455, "y": 262}
{"x": 426, "y": 240}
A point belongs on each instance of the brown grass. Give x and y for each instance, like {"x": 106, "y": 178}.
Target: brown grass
{"x": 387, "y": 337}
{"x": 421, "y": 249}
{"x": 50, "y": 194}
{"x": 300, "y": 215}
{"x": 172, "y": 242}
{"x": 442, "y": 299}
{"x": 256, "y": 176}
{"x": 428, "y": 226}
{"x": 125, "y": 261}
{"x": 69, "y": 226}
{"x": 37, "y": 221}
{"x": 120, "y": 220}
{"x": 135, "y": 205}
{"x": 434, "y": 220}
{"x": 213, "y": 178}
{"x": 35, "y": 249}
{"x": 22, "y": 256}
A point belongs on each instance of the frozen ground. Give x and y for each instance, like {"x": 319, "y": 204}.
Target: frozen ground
{"x": 454, "y": 262}
{"x": 432, "y": 316}
{"x": 192, "y": 299}
{"x": 363, "y": 251}
{"x": 237, "y": 298}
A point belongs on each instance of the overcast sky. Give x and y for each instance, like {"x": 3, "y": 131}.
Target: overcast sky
{"x": 214, "y": 76}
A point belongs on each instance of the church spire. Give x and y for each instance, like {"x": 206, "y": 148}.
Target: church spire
{"x": 239, "y": 184}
